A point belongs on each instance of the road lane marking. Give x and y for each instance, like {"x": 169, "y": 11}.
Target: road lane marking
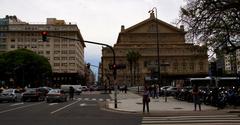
{"x": 53, "y": 104}
{"x": 1, "y": 112}
{"x": 83, "y": 104}
{"x": 64, "y": 107}
{"x": 17, "y": 104}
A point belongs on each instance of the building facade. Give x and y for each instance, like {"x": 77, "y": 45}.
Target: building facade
{"x": 178, "y": 59}
{"x": 65, "y": 56}
{"x": 231, "y": 61}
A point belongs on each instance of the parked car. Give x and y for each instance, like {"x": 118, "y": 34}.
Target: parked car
{"x": 44, "y": 89}
{"x": 85, "y": 88}
{"x": 33, "y": 94}
{"x": 185, "y": 94}
{"x": 163, "y": 89}
{"x": 56, "y": 95}
{"x": 10, "y": 95}
{"x": 171, "y": 91}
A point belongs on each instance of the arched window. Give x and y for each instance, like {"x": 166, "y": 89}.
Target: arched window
{"x": 175, "y": 66}
{"x": 191, "y": 66}
{"x": 201, "y": 66}
{"x": 184, "y": 66}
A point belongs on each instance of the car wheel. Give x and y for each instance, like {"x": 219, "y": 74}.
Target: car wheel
{"x": 14, "y": 99}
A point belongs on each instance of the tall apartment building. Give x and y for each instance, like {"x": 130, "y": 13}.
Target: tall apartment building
{"x": 178, "y": 59}
{"x": 232, "y": 62}
{"x": 65, "y": 56}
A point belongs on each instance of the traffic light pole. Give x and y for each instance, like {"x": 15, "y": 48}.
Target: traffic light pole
{"x": 114, "y": 60}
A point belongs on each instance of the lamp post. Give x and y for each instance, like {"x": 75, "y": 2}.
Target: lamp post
{"x": 158, "y": 58}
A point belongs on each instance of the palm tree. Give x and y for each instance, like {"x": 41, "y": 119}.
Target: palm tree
{"x": 132, "y": 58}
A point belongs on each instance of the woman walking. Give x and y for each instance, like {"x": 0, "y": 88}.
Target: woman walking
{"x": 146, "y": 99}
{"x": 196, "y": 97}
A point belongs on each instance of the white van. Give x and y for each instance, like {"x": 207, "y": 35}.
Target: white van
{"x": 77, "y": 88}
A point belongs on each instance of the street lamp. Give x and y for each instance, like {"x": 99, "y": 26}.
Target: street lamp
{"x": 158, "y": 58}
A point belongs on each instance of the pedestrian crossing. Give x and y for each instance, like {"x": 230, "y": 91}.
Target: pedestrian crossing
{"x": 187, "y": 120}
{"x": 93, "y": 99}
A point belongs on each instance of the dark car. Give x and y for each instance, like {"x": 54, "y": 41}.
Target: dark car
{"x": 33, "y": 94}
{"x": 56, "y": 95}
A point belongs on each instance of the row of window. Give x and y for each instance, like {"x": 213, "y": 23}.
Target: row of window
{"x": 65, "y": 52}
{"x": 64, "y": 58}
{"x": 64, "y": 64}
{"x": 177, "y": 65}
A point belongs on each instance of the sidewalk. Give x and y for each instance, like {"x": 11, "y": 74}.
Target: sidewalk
{"x": 132, "y": 102}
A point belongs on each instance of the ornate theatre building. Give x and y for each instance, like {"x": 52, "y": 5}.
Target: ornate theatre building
{"x": 178, "y": 60}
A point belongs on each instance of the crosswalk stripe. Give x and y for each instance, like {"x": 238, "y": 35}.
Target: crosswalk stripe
{"x": 227, "y": 119}
{"x": 92, "y": 99}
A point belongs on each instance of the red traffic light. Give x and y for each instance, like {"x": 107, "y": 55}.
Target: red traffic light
{"x": 44, "y": 33}
{"x": 44, "y": 36}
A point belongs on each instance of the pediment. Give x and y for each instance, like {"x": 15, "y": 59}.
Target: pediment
{"x": 150, "y": 26}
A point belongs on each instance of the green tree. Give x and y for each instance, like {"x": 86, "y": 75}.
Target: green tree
{"x": 132, "y": 58}
{"x": 214, "y": 22}
{"x": 25, "y": 67}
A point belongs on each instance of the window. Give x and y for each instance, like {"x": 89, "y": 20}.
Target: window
{"x": 72, "y": 64}
{"x": 64, "y": 64}
{"x": 56, "y": 58}
{"x": 40, "y": 52}
{"x": 191, "y": 66}
{"x": 12, "y": 40}
{"x": 64, "y": 52}
{"x": 56, "y": 64}
{"x": 12, "y": 46}
{"x": 71, "y": 51}
{"x": 184, "y": 66}
{"x": 71, "y": 58}
{"x": 48, "y": 52}
{"x": 200, "y": 66}
{"x": 64, "y": 58}
{"x": 175, "y": 66}
{"x": 56, "y": 52}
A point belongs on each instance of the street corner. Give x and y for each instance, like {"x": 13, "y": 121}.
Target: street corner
{"x": 124, "y": 106}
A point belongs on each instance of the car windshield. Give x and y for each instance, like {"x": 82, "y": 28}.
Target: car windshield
{"x": 54, "y": 91}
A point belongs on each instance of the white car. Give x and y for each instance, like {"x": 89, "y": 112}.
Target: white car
{"x": 171, "y": 91}
{"x": 11, "y": 95}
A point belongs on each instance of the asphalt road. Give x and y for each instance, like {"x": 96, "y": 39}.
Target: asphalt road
{"x": 86, "y": 109}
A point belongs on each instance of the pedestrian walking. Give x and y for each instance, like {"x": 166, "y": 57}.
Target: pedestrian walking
{"x": 155, "y": 91}
{"x": 196, "y": 97}
{"x": 71, "y": 92}
{"x": 146, "y": 99}
{"x": 125, "y": 88}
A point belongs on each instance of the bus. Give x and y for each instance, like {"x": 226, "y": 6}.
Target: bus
{"x": 213, "y": 81}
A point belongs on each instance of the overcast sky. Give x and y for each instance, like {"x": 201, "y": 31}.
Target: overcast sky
{"x": 98, "y": 20}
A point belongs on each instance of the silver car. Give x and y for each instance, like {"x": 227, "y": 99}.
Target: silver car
{"x": 56, "y": 95}
{"x": 11, "y": 95}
